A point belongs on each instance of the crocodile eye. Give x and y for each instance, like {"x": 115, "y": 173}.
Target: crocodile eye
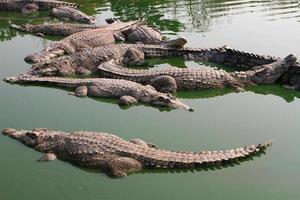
{"x": 161, "y": 98}
{"x": 168, "y": 100}
{"x": 31, "y": 135}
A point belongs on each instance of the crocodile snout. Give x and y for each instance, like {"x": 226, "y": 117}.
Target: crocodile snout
{"x": 8, "y": 131}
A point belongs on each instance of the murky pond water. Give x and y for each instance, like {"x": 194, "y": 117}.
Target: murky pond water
{"x": 222, "y": 119}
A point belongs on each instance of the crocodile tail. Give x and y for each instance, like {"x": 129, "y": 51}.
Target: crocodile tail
{"x": 186, "y": 160}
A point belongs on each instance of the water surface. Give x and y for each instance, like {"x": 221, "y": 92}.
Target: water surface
{"x": 222, "y": 119}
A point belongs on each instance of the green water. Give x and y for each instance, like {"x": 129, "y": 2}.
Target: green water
{"x": 222, "y": 119}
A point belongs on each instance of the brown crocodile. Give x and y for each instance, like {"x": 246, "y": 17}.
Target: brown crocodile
{"x": 128, "y": 92}
{"x": 81, "y": 40}
{"x": 28, "y": 6}
{"x": 118, "y": 157}
{"x": 66, "y": 12}
{"x": 88, "y": 60}
{"x": 202, "y": 78}
{"x": 59, "y": 29}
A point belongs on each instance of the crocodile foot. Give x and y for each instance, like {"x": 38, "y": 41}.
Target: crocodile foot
{"x": 127, "y": 101}
{"x": 47, "y": 157}
{"x": 143, "y": 143}
{"x": 165, "y": 84}
{"x": 119, "y": 167}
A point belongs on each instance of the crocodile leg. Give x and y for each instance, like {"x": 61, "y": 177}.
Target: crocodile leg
{"x": 133, "y": 56}
{"x": 30, "y": 8}
{"x": 143, "y": 143}
{"x": 119, "y": 166}
{"x": 127, "y": 101}
{"x": 119, "y": 36}
{"x": 47, "y": 157}
{"x": 165, "y": 84}
{"x": 81, "y": 91}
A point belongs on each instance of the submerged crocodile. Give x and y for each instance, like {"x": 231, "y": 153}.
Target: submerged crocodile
{"x": 128, "y": 92}
{"x": 88, "y": 60}
{"x": 201, "y": 78}
{"x": 27, "y": 6}
{"x": 81, "y": 40}
{"x": 66, "y": 12}
{"x": 118, "y": 157}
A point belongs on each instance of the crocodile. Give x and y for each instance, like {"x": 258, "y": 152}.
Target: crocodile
{"x": 81, "y": 40}
{"x": 65, "y": 29}
{"x": 202, "y": 78}
{"x": 118, "y": 157}
{"x": 66, "y": 12}
{"x": 57, "y": 29}
{"x": 29, "y": 6}
{"x": 89, "y": 59}
{"x": 127, "y": 91}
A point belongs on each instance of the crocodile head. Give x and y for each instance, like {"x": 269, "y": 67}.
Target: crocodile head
{"x": 165, "y": 100}
{"x": 31, "y": 138}
{"x": 268, "y": 74}
{"x": 59, "y": 66}
{"x": 291, "y": 79}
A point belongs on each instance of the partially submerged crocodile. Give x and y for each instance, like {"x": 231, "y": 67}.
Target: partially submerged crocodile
{"x": 28, "y": 6}
{"x": 202, "y": 78}
{"x": 128, "y": 92}
{"x": 118, "y": 157}
{"x": 66, "y": 12}
{"x": 59, "y": 29}
{"x": 81, "y": 40}
{"x": 90, "y": 59}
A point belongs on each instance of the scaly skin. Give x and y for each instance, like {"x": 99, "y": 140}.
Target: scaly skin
{"x": 132, "y": 32}
{"x": 66, "y": 12}
{"x": 81, "y": 40}
{"x": 111, "y": 88}
{"x": 58, "y": 29}
{"x": 202, "y": 78}
{"x": 91, "y": 58}
{"x": 19, "y": 5}
{"x": 118, "y": 157}
{"x": 291, "y": 79}
{"x": 146, "y": 34}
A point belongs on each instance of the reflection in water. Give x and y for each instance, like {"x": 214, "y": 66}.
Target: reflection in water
{"x": 275, "y": 89}
{"x": 171, "y": 15}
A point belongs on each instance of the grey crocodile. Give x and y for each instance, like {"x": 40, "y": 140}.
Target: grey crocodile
{"x": 59, "y": 29}
{"x": 90, "y": 59}
{"x": 66, "y": 12}
{"x": 202, "y": 78}
{"x": 81, "y": 40}
{"x": 128, "y": 92}
{"x": 118, "y": 157}
{"x": 28, "y": 6}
